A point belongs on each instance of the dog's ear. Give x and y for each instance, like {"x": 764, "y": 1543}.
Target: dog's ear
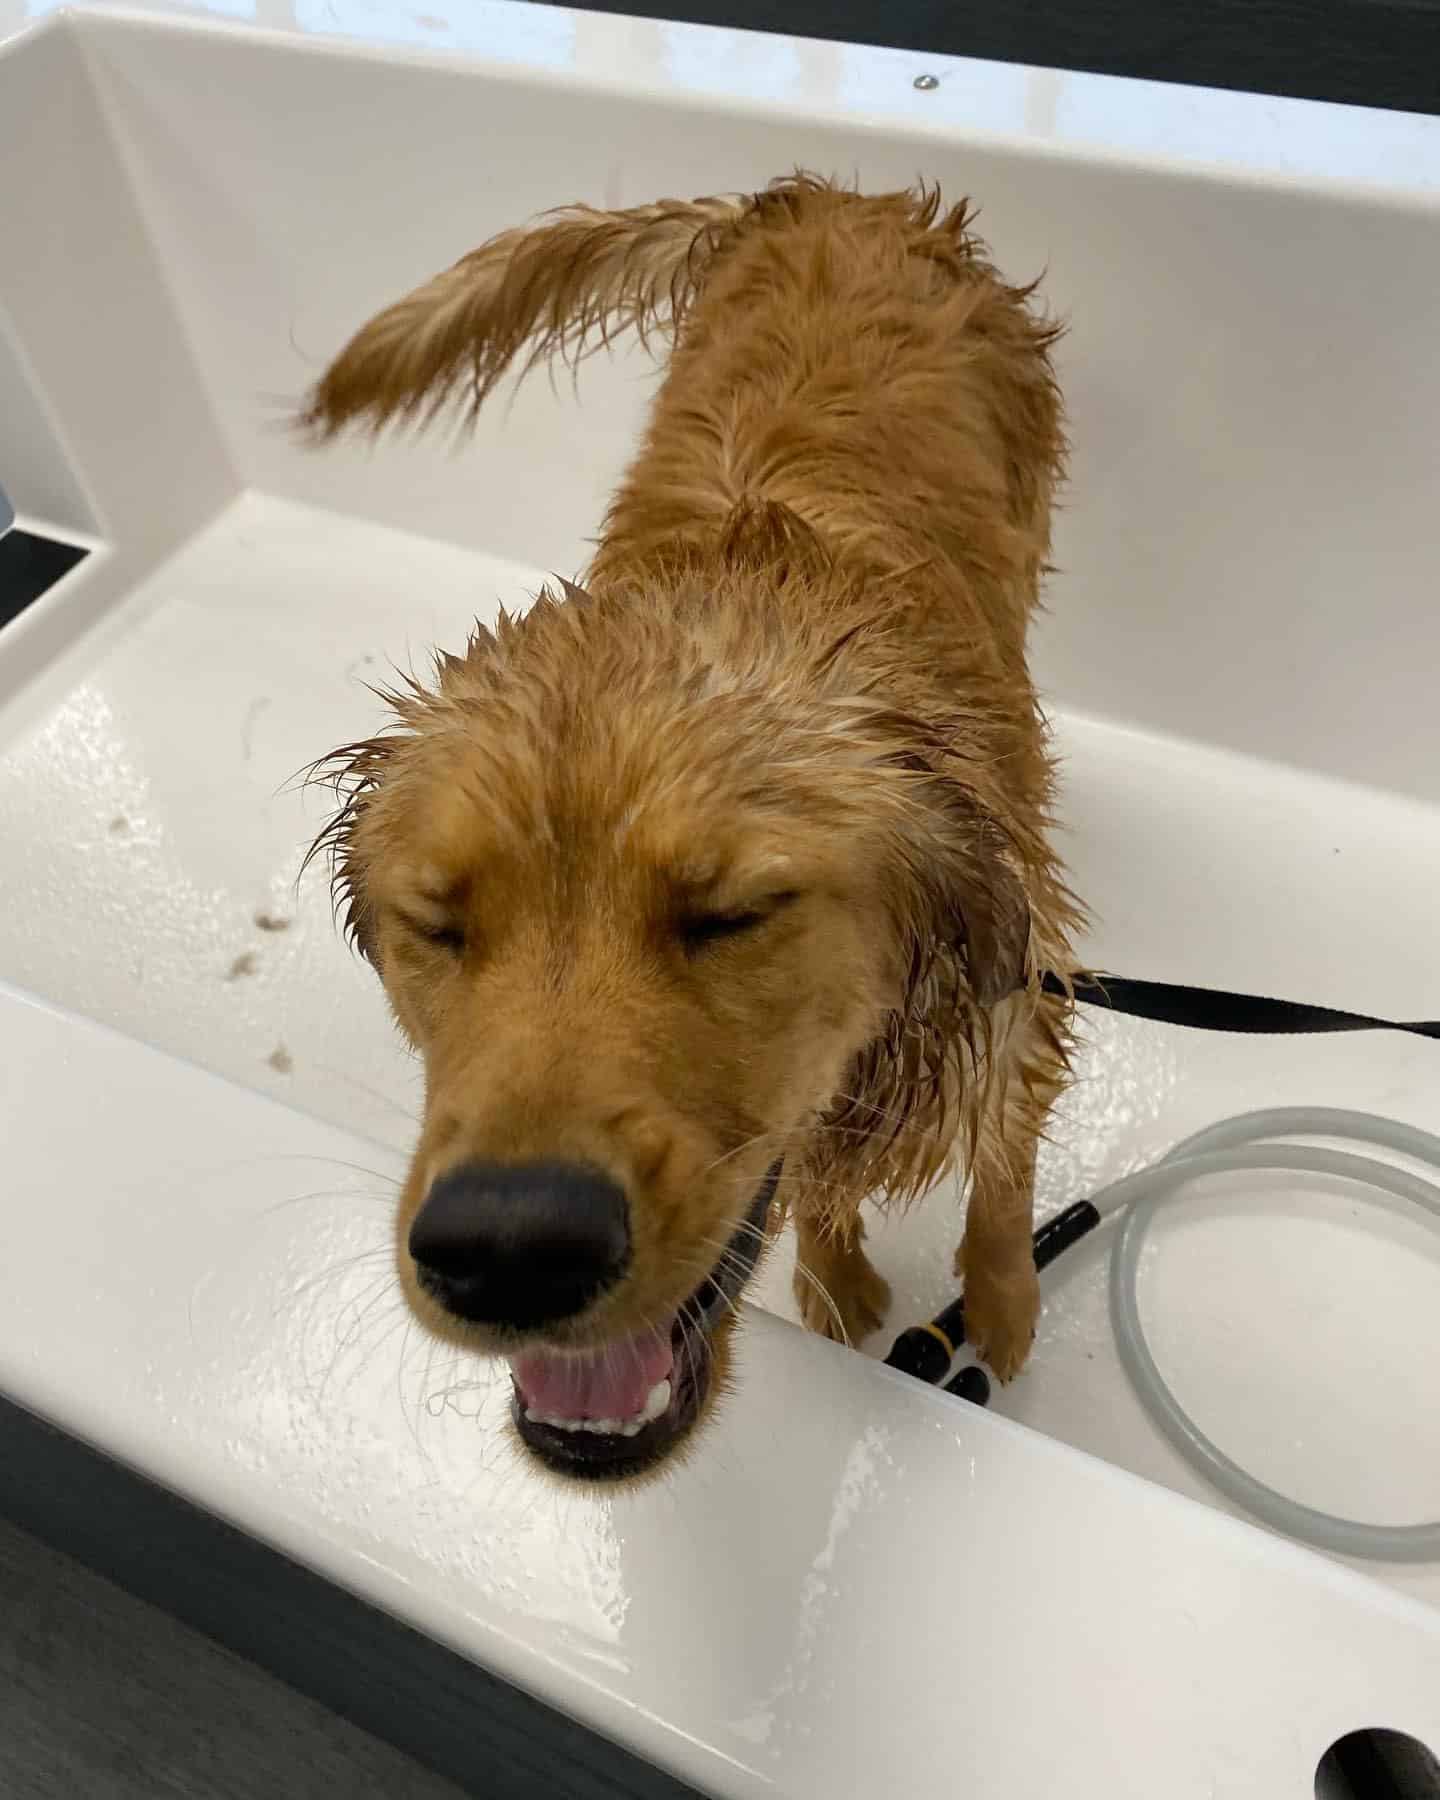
{"x": 975, "y": 912}
{"x": 989, "y": 901}
{"x": 353, "y": 773}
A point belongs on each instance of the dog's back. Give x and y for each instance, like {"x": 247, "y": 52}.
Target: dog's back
{"x": 857, "y": 361}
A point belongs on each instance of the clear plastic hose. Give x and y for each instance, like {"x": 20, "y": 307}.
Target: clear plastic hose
{"x": 1246, "y": 1144}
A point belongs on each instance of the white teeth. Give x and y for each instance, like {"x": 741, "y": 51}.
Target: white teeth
{"x": 538, "y": 1418}
{"x": 657, "y": 1401}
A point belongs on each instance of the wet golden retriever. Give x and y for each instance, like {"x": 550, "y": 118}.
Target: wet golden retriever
{"x": 719, "y": 888}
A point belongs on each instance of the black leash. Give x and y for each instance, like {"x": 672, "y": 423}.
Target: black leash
{"x": 927, "y": 1351}
{"x": 1214, "y": 1009}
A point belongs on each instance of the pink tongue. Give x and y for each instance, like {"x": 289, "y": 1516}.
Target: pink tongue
{"x": 612, "y": 1382}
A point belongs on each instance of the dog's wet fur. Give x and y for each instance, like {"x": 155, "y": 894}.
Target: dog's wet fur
{"x": 740, "y": 849}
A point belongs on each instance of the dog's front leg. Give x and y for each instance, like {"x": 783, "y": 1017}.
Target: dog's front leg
{"x": 840, "y": 1293}
{"x": 995, "y": 1260}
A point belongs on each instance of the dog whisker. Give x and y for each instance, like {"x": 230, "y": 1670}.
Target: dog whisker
{"x": 826, "y": 1298}
{"x": 371, "y": 1092}
{"x": 376, "y": 1299}
{"x": 348, "y": 1195}
{"x": 383, "y": 1176}
{"x": 395, "y": 1321}
{"x": 333, "y": 1272}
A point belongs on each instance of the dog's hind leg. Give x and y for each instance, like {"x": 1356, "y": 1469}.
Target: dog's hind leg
{"x": 995, "y": 1260}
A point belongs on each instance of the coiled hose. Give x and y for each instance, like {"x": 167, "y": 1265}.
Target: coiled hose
{"x": 1249, "y": 1143}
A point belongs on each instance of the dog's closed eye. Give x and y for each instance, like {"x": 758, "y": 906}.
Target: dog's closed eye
{"x": 438, "y": 934}
{"x": 699, "y": 929}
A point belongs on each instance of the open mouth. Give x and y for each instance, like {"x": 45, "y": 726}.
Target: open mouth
{"x": 614, "y": 1410}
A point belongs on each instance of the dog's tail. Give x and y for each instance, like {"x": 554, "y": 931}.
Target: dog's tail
{"x": 563, "y": 287}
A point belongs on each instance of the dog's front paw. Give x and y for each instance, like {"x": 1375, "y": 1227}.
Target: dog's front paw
{"x": 1000, "y": 1316}
{"x": 846, "y": 1302}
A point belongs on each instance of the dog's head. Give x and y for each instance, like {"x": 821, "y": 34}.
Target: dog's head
{"x": 645, "y": 887}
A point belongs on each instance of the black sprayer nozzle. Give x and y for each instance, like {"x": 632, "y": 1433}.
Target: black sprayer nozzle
{"x": 927, "y": 1351}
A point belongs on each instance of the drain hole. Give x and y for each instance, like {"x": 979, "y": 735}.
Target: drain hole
{"x": 29, "y": 567}
{"x": 1377, "y": 1765}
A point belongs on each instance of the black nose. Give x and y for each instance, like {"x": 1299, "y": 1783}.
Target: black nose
{"x": 520, "y": 1245}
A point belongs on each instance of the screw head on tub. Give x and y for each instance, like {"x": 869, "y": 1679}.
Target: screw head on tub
{"x": 927, "y": 84}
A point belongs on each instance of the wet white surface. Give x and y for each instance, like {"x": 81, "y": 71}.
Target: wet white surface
{"x": 856, "y": 1581}
{"x": 153, "y": 819}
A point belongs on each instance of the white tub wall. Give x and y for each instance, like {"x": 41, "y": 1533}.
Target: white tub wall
{"x": 245, "y": 157}
{"x": 105, "y": 428}
{"x": 1253, "y": 504}
{"x": 37, "y": 469}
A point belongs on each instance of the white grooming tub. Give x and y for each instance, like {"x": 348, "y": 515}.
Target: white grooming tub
{"x": 858, "y": 1586}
